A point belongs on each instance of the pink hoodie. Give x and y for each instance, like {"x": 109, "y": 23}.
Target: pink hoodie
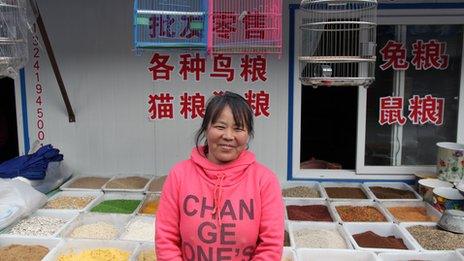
{"x": 220, "y": 212}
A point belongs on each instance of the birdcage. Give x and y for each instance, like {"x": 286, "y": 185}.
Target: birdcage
{"x": 170, "y": 24}
{"x": 13, "y": 36}
{"x": 338, "y": 42}
{"x": 245, "y": 26}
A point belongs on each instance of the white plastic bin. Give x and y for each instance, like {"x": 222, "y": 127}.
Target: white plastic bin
{"x": 116, "y": 196}
{"x": 395, "y": 185}
{"x": 66, "y": 185}
{"x": 305, "y": 202}
{"x": 140, "y": 190}
{"x": 50, "y": 243}
{"x": 334, "y": 206}
{"x": 149, "y": 221}
{"x": 304, "y": 254}
{"x": 288, "y": 254}
{"x": 346, "y": 185}
{"x": 309, "y": 184}
{"x": 295, "y": 226}
{"x": 77, "y": 246}
{"x": 429, "y": 256}
{"x": 116, "y": 220}
{"x": 381, "y": 229}
{"x": 431, "y": 211}
{"x": 95, "y": 194}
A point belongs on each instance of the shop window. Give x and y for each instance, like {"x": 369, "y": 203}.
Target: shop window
{"x": 426, "y": 81}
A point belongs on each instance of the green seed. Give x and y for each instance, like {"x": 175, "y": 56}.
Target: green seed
{"x": 123, "y": 206}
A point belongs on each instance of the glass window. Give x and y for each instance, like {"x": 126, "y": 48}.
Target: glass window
{"x": 414, "y": 102}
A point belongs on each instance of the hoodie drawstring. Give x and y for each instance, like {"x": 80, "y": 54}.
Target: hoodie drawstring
{"x": 217, "y": 195}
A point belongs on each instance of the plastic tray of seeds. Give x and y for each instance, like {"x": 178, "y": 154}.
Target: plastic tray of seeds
{"x": 41, "y": 223}
{"x": 156, "y": 184}
{"x": 308, "y": 210}
{"x": 27, "y": 248}
{"x": 117, "y": 203}
{"x": 145, "y": 251}
{"x": 392, "y": 195}
{"x": 85, "y": 183}
{"x": 96, "y": 226}
{"x": 149, "y": 205}
{"x": 429, "y": 256}
{"x": 350, "y": 215}
{"x": 83, "y": 249}
{"x": 411, "y": 211}
{"x": 288, "y": 254}
{"x": 139, "y": 228}
{"x": 435, "y": 240}
{"x": 327, "y": 235}
{"x": 128, "y": 183}
{"x": 303, "y": 190}
{"x": 335, "y": 255}
{"x": 72, "y": 200}
{"x": 346, "y": 191}
{"x": 383, "y": 230}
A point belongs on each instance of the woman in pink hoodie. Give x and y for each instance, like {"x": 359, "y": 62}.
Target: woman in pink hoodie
{"x": 221, "y": 204}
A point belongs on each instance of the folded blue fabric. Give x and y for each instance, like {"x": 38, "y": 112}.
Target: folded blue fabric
{"x": 32, "y": 166}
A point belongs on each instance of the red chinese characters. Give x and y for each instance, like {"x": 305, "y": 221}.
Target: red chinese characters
{"x": 160, "y": 69}
{"x": 254, "y": 67}
{"x": 431, "y": 54}
{"x": 424, "y": 110}
{"x": 224, "y": 24}
{"x": 160, "y": 106}
{"x": 189, "y": 64}
{"x": 425, "y": 55}
{"x": 255, "y": 24}
{"x": 391, "y": 111}
{"x": 192, "y": 106}
{"x": 222, "y": 67}
{"x": 394, "y": 56}
{"x": 259, "y": 102}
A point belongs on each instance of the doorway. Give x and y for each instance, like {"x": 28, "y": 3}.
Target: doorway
{"x": 8, "y": 125}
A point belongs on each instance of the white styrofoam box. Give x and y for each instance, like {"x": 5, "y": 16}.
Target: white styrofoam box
{"x": 431, "y": 211}
{"x": 310, "y": 184}
{"x": 335, "y": 255}
{"x": 94, "y": 193}
{"x": 79, "y": 245}
{"x": 148, "y": 197}
{"x": 148, "y": 177}
{"x": 396, "y": 185}
{"x": 68, "y": 215}
{"x": 376, "y": 205}
{"x": 348, "y": 185}
{"x": 143, "y": 247}
{"x": 145, "y": 219}
{"x": 381, "y": 229}
{"x": 305, "y": 202}
{"x": 115, "y": 196}
{"x": 117, "y": 220}
{"x": 429, "y": 256}
{"x": 288, "y": 254}
{"x": 50, "y": 243}
{"x": 295, "y": 226}
{"x": 65, "y": 186}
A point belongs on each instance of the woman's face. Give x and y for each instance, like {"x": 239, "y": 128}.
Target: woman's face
{"x": 225, "y": 139}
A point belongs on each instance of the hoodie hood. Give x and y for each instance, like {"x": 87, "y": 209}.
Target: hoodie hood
{"x": 230, "y": 173}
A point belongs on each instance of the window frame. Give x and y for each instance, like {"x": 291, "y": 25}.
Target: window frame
{"x": 399, "y": 15}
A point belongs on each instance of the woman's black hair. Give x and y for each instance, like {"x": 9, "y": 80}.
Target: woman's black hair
{"x": 243, "y": 115}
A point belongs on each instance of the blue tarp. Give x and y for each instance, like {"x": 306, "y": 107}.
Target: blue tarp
{"x": 32, "y": 166}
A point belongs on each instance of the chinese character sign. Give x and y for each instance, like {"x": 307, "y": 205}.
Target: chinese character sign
{"x": 425, "y": 55}
{"x": 421, "y": 110}
{"x": 175, "y": 26}
{"x": 193, "y": 66}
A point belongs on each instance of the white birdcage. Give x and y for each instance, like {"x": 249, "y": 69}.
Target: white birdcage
{"x": 338, "y": 42}
{"x": 13, "y": 36}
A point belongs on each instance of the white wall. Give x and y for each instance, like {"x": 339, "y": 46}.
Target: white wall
{"x": 108, "y": 86}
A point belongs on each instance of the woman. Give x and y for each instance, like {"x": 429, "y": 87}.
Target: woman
{"x": 221, "y": 204}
